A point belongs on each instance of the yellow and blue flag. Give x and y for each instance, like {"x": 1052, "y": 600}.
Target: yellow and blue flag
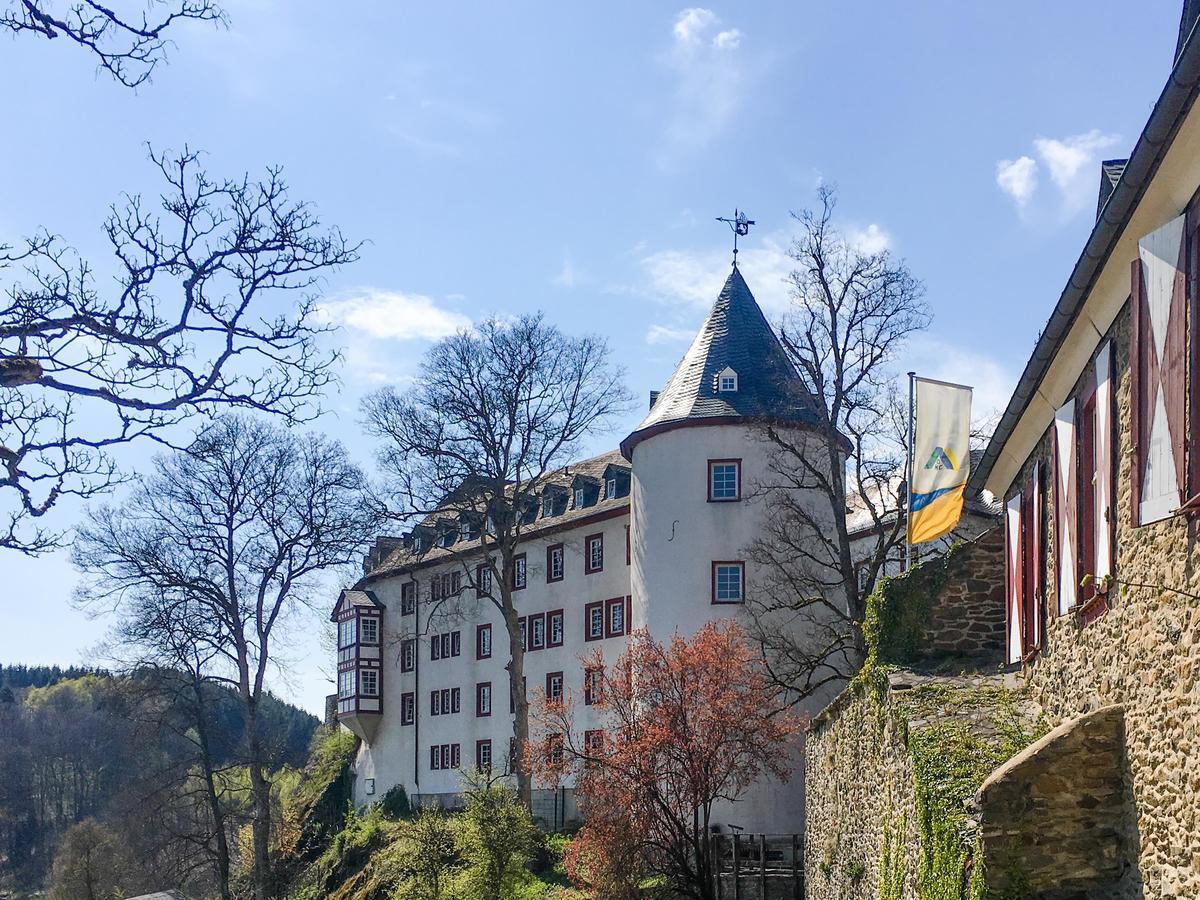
{"x": 941, "y": 458}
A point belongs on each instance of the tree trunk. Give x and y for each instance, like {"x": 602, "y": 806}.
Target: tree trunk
{"x": 260, "y": 788}
{"x": 212, "y": 794}
{"x": 516, "y": 657}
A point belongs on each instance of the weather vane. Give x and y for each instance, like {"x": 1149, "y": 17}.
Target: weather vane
{"x": 740, "y": 226}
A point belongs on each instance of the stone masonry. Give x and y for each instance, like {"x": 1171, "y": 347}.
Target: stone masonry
{"x": 1051, "y": 819}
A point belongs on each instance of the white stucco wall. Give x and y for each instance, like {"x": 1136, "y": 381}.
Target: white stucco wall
{"x": 399, "y": 754}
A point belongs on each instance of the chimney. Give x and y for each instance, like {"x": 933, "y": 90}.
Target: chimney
{"x": 1110, "y": 174}
{"x": 1191, "y": 12}
{"x": 653, "y": 398}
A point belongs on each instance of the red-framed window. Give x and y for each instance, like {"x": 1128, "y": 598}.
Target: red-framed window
{"x": 593, "y": 742}
{"x": 435, "y": 703}
{"x": 554, "y": 628}
{"x": 483, "y": 699}
{"x": 728, "y": 581}
{"x": 593, "y": 554}
{"x": 616, "y": 617}
{"x": 519, "y": 573}
{"x": 524, "y": 633}
{"x": 483, "y": 755}
{"x": 593, "y": 684}
{"x": 408, "y": 708}
{"x": 408, "y": 598}
{"x": 483, "y": 580}
{"x": 537, "y": 631}
{"x": 554, "y": 685}
{"x": 724, "y": 480}
{"x": 593, "y": 621}
{"x": 483, "y": 641}
{"x": 555, "y": 563}
{"x": 408, "y": 655}
{"x": 555, "y": 743}
{"x": 435, "y": 757}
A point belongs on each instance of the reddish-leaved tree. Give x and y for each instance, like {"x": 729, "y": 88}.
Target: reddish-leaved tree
{"x": 681, "y": 727}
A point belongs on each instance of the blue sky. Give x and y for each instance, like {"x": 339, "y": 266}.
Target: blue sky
{"x": 500, "y": 158}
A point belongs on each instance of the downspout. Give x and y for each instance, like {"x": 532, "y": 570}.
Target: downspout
{"x": 416, "y": 689}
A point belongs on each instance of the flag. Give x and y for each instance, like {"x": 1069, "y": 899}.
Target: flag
{"x": 940, "y": 460}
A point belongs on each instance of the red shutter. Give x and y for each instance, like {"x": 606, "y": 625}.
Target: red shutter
{"x": 1086, "y": 493}
{"x": 1065, "y": 492}
{"x": 1159, "y": 298}
{"x": 1137, "y": 379}
{"x": 1031, "y": 564}
{"x": 1014, "y": 577}
{"x": 1103, "y": 481}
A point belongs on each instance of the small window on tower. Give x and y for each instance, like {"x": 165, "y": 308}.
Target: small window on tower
{"x": 727, "y": 381}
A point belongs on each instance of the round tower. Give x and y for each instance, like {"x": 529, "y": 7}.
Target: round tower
{"x": 700, "y": 463}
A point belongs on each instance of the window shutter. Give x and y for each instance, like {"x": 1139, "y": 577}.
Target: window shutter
{"x": 1159, "y": 343}
{"x": 1103, "y": 485}
{"x": 1066, "y": 579}
{"x": 1013, "y": 576}
{"x": 1031, "y": 563}
{"x": 1086, "y": 485}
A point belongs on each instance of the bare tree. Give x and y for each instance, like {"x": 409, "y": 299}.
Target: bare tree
{"x": 242, "y": 525}
{"x": 491, "y": 415}
{"x": 212, "y": 307}
{"x": 851, "y": 312}
{"x": 128, "y": 47}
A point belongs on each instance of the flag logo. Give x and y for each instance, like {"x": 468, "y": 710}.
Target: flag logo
{"x": 941, "y": 458}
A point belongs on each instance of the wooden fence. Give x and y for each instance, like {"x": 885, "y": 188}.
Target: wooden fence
{"x": 758, "y": 866}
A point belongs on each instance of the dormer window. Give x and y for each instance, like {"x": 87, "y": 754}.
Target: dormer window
{"x": 580, "y": 494}
{"x": 447, "y": 537}
{"x": 468, "y": 528}
{"x": 547, "y": 506}
{"x": 417, "y": 543}
{"x": 616, "y": 482}
{"x": 727, "y": 381}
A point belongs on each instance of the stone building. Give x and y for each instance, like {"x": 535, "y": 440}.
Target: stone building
{"x": 651, "y": 535}
{"x": 1084, "y": 775}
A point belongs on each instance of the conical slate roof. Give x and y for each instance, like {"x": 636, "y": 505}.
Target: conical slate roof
{"x": 737, "y": 335}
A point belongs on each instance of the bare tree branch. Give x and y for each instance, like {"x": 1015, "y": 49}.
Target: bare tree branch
{"x": 212, "y": 308}
{"x": 127, "y": 46}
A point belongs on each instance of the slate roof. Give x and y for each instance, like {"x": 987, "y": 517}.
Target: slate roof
{"x": 1110, "y": 174}
{"x": 401, "y": 559}
{"x": 735, "y": 334}
{"x": 161, "y": 895}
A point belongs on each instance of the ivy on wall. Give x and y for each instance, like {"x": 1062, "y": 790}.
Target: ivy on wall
{"x": 955, "y": 734}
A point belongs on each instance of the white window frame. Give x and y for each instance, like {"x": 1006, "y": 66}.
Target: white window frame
{"x": 726, "y": 468}
{"x": 592, "y": 632}
{"x": 520, "y": 573}
{"x": 555, "y": 629}
{"x": 557, "y": 563}
{"x": 369, "y": 679}
{"x": 346, "y": 684}
{"x": 484, "y": 704}
{"x": 370, "y": 630}
{"x": 537, "y": 633}
{"x": 595, "y": 550}
{"x": 727, "y": 567}
{"x": 579, "y": 496}
{"x": 610, "y": 488}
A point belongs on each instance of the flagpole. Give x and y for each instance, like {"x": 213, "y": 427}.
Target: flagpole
{"x": 912, "y": 399}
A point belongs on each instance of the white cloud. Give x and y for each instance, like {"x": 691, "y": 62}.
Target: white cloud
{"x": 709, "y": 78}
{"x": 691, "y": 23}
{"x": 728, "y": 40}
{"x": 1066, "y": 158}
{"x": 665, "y": 334}
{"x": 1072, "y": 164}
{"x": 393, "y": 315}
{"x": 694, "y": 277}
{"x": 566, "y": 276}
{"x": 935, "y": 357}
{"x": 869, "y": 240}
{"x": 1017, "y": 178}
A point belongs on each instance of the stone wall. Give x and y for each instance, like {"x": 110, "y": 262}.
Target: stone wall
{"x": 859, "y": 779}
{"x": 1051, "y": 818}
{"x": 952, "y": 606}
{"x": 1142, "y": 652}
{"x": 967, "y": 615}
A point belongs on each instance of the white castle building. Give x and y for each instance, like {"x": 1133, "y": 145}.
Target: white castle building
{"x": 651, "y": 535}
